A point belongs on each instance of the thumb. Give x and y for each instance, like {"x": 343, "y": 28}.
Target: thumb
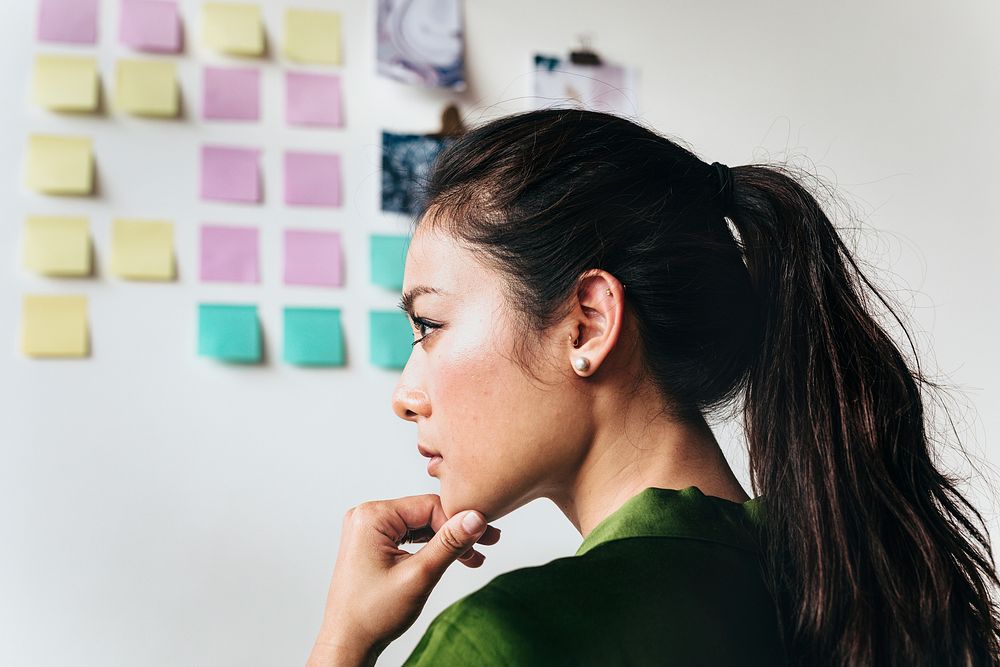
{"x": 454, "y": 538}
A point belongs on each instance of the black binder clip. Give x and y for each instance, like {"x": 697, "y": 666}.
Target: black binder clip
{"x": 584, "y": 55}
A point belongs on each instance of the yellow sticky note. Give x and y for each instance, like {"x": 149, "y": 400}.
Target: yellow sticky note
{"x": 233, "y": 28}
{"x": 142, "y": 249}
{"x": 147, "y": 87}
{"x": 65, "y": 83}
{"x": 60, "y": 165}
{"x": 57, "y": 245}
{"x": 312, "y": 36}
{"x": 54, "y": 325}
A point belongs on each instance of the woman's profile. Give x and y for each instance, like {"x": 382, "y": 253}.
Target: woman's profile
{"x": 585, "y": 293}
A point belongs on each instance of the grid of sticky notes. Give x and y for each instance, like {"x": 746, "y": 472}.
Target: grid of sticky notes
{"x": 144, "y": 83}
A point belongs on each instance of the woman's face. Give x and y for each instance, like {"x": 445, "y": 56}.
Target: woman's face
{"x": 504, "y": 438}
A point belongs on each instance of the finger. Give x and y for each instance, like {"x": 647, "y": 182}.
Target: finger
{"x": 418, "y": 518}
{"x": 437, "y": 516}
{"x": 472, "y": 558}
{"x": 455, "y": 537}
{"x": 491, "y": 536}
{"x": 424, "y": 534}
{"x": 409, "y": 514}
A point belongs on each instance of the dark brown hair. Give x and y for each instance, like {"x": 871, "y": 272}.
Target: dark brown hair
{"x": 871, "y": 552}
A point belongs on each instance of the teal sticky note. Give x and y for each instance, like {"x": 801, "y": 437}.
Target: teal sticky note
{"x": 229, "y": 332}
{"x": 391, "y": 338}
{"x": 313, "y": 337}
{"x": 388, "y": 258}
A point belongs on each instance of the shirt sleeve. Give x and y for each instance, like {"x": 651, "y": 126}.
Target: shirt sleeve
{"x": 486, "y": 628}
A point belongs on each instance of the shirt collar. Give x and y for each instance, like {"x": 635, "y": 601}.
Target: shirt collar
{"x": 687, "y": 512}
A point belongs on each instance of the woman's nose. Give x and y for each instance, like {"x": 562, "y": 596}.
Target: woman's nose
{"x": 409, "y": 403}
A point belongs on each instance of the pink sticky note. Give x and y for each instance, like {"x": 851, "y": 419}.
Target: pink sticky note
{"x": 231, "y": 93}
{"x": 312, "y": 99}
{"x": 151, "y": 25}
{"x": 229, "y": 254}
{"x": 312, "y": 258}
{"x": 230, "y": 174}
{"x": 312, "y": 179}
{"x": 73, "y": 21}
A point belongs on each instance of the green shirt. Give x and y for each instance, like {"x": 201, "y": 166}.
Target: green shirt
{"x": 670, "y": 578}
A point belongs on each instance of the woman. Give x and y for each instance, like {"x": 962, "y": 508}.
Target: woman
{"x": 582, "y": 303}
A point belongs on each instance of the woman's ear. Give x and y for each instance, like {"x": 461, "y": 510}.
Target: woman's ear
{"x": 595, "y": 321}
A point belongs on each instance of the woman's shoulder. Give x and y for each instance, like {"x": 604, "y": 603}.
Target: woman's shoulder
{"x": 494, "y": 625}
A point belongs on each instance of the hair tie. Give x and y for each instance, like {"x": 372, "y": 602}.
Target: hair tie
{"x": 725, "y": 192}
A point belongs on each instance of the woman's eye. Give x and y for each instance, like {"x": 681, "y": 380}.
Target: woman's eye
{"x": 422, "y": 324}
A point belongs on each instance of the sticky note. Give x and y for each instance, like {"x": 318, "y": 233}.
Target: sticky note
{"x": 57, "y": 245}
{"x": 229, "y": 332}
{"x": 65, "y": 83}
{"x": 54, "y": 325}
{"x": 312, "y": 36}
{"x": 312, "y": 179}
{"x": 391, "y": 338}
{"x": 388, "y": 259}
{"x": 142, "y": 249}
{"x": 150, "y": 25}
{"x": 233, "y": 28}
{"x": 229, "y": 254}
{"x": 313, "y": 337}
{"x": 147, "y": 88}
{"x": 230, "y": 174}
{"x": 231, "y": 93}
{"x": 312, "y": 257}
{"x": 312, "y": 99}
{"x": 60, "y": 165}
{"x": 72, "y": 21}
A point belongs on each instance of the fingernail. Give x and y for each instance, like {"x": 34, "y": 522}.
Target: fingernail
{"x": 472, "y": 522}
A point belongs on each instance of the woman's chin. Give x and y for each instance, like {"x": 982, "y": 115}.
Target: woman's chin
{"x": 454, "y": 502}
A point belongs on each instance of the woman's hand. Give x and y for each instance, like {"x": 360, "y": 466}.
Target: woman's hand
{"x": 378, "y": 589}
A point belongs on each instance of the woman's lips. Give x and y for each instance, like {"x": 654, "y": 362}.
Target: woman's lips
{"x": 425, "y": 452}
{"x": 434, "y": 457}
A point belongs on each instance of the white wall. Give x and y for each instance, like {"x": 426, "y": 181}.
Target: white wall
{"x": 160, "y": 509}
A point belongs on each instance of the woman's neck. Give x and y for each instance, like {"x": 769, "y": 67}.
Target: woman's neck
{"x": 637, "y": 452}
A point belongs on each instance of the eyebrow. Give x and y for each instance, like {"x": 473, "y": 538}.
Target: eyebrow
{"x": 406, "y": 302}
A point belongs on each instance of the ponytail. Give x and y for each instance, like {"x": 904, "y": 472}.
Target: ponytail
{"x": 871, "y": 552}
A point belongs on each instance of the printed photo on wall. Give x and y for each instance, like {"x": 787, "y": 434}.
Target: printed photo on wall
{"x": 420, "y": 42}
{"x": 406, "y": 163}
{"x": 560, "y": 83}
